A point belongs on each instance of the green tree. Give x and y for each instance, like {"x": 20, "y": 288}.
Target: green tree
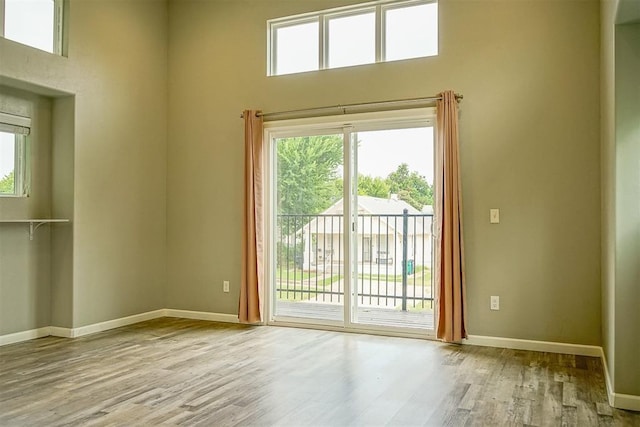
{"x": 411, "y": 187}
{"x": 7, "y": 183}
{"x": 373, "y": 186}
{"x": 307, "y": 171}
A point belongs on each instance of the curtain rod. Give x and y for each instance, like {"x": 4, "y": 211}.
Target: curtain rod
{"x": 342, "y": 109}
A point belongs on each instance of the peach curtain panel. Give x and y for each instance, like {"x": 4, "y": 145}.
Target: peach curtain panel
{"x": 449, "y": 254}
{"x": 250, "y": 310}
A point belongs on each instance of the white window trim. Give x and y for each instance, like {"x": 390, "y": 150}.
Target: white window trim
{"x": 394, "y": 119}
{"x": 58, "y": 12}
{"x": 377, "y": 120}
{"x": 20, "y": 167}
{"x": 58, "y": 22}
{"x": 323, "y": 17}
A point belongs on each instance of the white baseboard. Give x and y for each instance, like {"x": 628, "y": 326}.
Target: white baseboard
{"x": 629, "y": 402}
{"x": 116, "y": 323}
{"x": 201, "y": 315}
{"x": 112, "y": 324}
{"x": 618, "y": 400}
{"x": 24, "y": 336}
{"x": 57, "y": 331}
{"x": 531, "y": 345}
{"x": 607, "y": 377}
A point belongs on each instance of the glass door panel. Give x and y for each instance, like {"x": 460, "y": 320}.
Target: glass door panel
{"x": 393, "y": 241}
{"x": 309, "y": 228}
{"x": 351, "y": 228}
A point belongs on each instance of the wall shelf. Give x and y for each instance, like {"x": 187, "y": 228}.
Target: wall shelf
{"x": 34, "y": 224}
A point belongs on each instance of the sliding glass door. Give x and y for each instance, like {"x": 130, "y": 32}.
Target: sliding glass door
{"x": 394, "y": 175}
{"x": 308, "y": 262}
{"x": 350, "y": 224}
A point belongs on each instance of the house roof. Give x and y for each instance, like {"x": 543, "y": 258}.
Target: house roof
{"x": 376, "y": 206}
{"x": 332, "y": 223}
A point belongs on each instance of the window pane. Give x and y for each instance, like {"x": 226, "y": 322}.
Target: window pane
{"x": 30, "y": 22}
{"x": 411, "y": 32}
{"x": 7, "y": 162}
{"x": 309, "y": 260}
{"x": 352, "y": 40}
{"x": 297, "y": 48}
{"x": 395, "y": 172}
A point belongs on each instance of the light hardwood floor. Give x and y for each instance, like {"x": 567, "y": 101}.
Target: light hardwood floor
{"x": 186, "y": 372}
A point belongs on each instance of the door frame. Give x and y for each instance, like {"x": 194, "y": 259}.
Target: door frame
{"x": 347, "y": 124}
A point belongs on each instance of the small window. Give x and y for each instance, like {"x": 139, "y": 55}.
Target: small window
{"x": 36, "y": 23}
{"x": 406, "y": 34}
{"x": 296, "y": 47}
{"x": 352, "y": 40}
{"x": 12, "y": 165}
{"x": 13, "y": 155}
{"x": 362, "y": 34}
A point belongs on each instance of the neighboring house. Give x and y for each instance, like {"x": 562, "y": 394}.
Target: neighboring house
{"x": 379, "y": 234}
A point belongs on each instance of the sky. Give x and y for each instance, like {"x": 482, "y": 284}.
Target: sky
{"x": 30, "y": 22}
{"x": 7, "y": 146}
{"x": 381, "y": 152}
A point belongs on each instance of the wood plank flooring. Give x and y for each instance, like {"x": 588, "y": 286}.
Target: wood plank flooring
{"x": 194, "y": 373}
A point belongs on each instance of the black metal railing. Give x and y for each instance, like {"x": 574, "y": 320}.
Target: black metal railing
{"x": 393, "y": 253}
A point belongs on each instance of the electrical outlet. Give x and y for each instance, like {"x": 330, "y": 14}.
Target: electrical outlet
{"x": 495, "y": 303}
{"x": 225, "y": 286}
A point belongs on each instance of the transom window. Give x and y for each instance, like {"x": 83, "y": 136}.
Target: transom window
{"x": 362, "y": 34}
{"x": 35, "y": 23}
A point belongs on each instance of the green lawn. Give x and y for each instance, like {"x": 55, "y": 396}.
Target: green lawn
{"x": 293, "y": 272}
{"x": 412, "y": 279}
{"x": 422, "y": 276}
{"x": 297, "y": 292}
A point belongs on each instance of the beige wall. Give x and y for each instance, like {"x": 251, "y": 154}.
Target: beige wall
{"x": 117, "y": 70}
{"x": 529, "y": 137}
{"x": 25, "y": 284}
{"x": 529, "y": 72}
{"x": 621, "y": 192}
{"x": 62, "y": 190}
{"x": 607, "y": 24}
{"x": 627, "y": 205}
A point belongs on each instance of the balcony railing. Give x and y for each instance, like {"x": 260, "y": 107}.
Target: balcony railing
{"x": 393, "y": 259}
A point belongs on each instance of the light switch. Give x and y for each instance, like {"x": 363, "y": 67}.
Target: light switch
{"x": 494, "y": 216}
